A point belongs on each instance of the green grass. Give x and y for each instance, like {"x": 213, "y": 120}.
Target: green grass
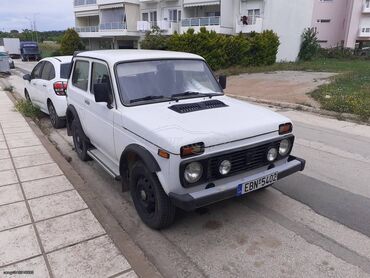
{"x": 28, "y": 109}
{"x": 9, "y": 89}
{"x": 349, "y": 92}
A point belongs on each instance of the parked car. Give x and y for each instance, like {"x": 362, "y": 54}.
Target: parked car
{"x": 30, "y": 51}
{"x": 4, "y": 62}
{"x": 159, "y": 121}
{"x": 46, "y": 87}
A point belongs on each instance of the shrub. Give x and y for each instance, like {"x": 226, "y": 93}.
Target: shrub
{"x": 27, "y": 109}
{"x": 220, "y": 51}
{"x": 337, "y": 52}
{"x": 310, "y": 46}
{"x": 71, "y": 42}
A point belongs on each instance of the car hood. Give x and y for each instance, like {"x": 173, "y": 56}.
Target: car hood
{"x": 171, "y": 130}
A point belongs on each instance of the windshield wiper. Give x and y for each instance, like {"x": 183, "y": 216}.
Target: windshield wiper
{"x": 192, "y": 93}
{"x": 148, "y": 98}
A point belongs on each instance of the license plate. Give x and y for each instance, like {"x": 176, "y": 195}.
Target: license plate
{"x": 253, "y": 185}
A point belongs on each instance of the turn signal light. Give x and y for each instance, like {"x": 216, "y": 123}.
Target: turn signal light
{"x": 163, "y": 154}
{"x": 285, "y": 128}
{"x": 192, "y": 150}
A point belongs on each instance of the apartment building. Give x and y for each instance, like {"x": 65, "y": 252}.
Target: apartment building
{"x": 122, "y": 23}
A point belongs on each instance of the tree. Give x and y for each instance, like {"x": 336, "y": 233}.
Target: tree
{"x": 310, "y": 45}
{"x": 71, "y": 42}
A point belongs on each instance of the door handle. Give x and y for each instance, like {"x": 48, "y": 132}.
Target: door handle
{"x": 44, "y": 85}
{"x": 87, "y": 102}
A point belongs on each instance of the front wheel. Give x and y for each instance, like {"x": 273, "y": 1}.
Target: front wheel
{"x": 55, "y": 120}
{"x": 151, "y": 202}
{"x": 79, "y": 141}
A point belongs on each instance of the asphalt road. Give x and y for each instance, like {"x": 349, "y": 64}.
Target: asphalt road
{"x": 311, "y": 224}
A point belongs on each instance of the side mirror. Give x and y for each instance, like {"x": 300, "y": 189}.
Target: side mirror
{"x": 222, "y": 80}
{"x": 27, "y": 77}
{"x": 102, "y": 93}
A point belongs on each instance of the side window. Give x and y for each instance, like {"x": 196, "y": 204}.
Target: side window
{"x": 100, "y": 75}
{"x": 36, "y": 73}
{"x": 80, "y": 77}
{"x": 48, "y": 73}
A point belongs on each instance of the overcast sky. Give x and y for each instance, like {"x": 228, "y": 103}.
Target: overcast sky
{"x": 49, "y": 14}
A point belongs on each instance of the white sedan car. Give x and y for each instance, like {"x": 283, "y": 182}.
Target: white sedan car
{"x": 46, "y": 87}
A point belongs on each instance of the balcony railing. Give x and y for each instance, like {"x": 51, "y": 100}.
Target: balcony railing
{"x": 249, "y": 24}
{"x": 84, "y": 2}
{"x": 364, "y": 32}
{"x": 200, "y": 21}
{"x": 113, "y": 26}
{"x": 147, "y": 26}
{"x": 87, "y": 29}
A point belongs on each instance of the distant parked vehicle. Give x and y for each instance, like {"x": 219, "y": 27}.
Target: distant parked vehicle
{"x": 364, "y": 52}
{"x": 12, "y": 46}
{"x": 4, "y": 62}
{"x": 46, "y": 87}
{"x": 30, "y": 51}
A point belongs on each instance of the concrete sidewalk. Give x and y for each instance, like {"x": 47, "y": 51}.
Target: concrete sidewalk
{"x": 46, "y": 229}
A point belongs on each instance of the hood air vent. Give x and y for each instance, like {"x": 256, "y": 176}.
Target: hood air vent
{"x": 197, "y": 106}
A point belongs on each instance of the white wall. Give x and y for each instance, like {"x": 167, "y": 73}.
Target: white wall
{"x": 288, "y": 18}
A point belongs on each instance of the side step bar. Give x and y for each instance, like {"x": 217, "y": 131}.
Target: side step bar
{"x": 107, "y": 164}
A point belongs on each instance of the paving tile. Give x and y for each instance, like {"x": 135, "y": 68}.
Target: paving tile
{"x": 46, "y": 186}
{"x": 130, "y": 274}
{"x": 6, "y": 164}
{"x": 10, "y": 194}
{"x": 13, "y": 215}
{"x": 4, "y": 154}
{"x": 94, "y": 258}
{"x": 39, "y": 172}
{"x": 68, "y": 229}
{"x": 18, "y": 123}
{"x": 3, "y": 145}
{"x": 16, "y": 129}
{"x": 23, "y": 142}
{"x": 27, "y": 151}
{"x": 54, "y": 205}
{"x": 32, "y": 160}
{"x": 8, "y": 177}
{"x": 2, "y": 139}
{"x": 18, "y": 244}
{"x": 36, "y": 265}
{"x": 24, "y": 135}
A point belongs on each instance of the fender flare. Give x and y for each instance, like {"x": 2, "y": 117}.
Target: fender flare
{"x": 71, "y": 110}
{"x": 144, "y": 155}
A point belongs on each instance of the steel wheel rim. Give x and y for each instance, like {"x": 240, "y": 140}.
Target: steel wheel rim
{"x": 78, "y": 142}
{"x": 52, "y": 114}
{"x": 146, "y": 195}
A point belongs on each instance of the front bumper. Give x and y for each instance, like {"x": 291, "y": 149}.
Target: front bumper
{"x": 192, "y": 201}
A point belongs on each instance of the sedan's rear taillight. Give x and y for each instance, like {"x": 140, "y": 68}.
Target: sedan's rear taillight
{"x": 60, "y": 88}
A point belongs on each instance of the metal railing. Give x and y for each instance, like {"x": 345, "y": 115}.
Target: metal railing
{"x": 200, "y": 21}
{"x": 84, "y": 2}
{"x": 113, "y": 26}
{"x": 86, "y": 29}
{"x": 248, "y": 20}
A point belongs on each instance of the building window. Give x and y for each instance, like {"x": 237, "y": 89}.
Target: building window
{"x": 367, "y": 4}
{"x": 323, "y": 20}
{"x": 172, "y": 15}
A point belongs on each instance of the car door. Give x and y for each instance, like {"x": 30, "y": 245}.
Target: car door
{"x": 45, "y": 85}
{"x": 99, "y": 116}
{"x": 33, "y": 85}
{"x": 78, "y": 89}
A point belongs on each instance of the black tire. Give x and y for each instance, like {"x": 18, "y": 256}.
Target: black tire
{"x": 55, "y": 120}
{"x": 151, "y": 202}
{"x": 27, "y": 96}
{"x": 79, "y": 141}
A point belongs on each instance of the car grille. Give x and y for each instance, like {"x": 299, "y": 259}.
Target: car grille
{"x": 241, "y": 161}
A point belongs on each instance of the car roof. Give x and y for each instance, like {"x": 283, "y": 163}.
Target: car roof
{"x": 126, "y": 55}
{"x": 59, "y": 59}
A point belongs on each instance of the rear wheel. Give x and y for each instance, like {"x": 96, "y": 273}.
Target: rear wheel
{"x": 151, "y": 202}
{"x": 79, "y": 141}
{"x": 27, "y": 96}
{"x": 55, "y": 120}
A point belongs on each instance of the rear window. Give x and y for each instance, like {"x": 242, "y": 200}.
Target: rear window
{"x": 64, "y": 70}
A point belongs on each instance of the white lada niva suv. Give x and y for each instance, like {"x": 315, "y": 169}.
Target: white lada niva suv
{"x": 159, "y": 121}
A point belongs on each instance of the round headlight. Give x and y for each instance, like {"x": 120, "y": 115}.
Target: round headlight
{"x": 225, "y": 167}
{"x": 193, "y": 172}
{"x": 284, "y": 147}
{"x": 272, "y": 154}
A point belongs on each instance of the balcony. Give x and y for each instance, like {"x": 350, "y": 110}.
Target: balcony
{"x": 87, "y": 29}
{"x": 364, "y": 32}
{"x": 248, "y": 25}
{"x": 84, "y": 2}
{"x": 195, "y": 3}
{"x": 210, "y": 23}
{"x": 112, "y": 26}
{"x": 167, "y": 27}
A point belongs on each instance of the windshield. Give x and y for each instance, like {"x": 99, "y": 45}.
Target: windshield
{"x": 64, "y": 70}
{"x": 159, "y": 80}
{"x": 31, "y": 50}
